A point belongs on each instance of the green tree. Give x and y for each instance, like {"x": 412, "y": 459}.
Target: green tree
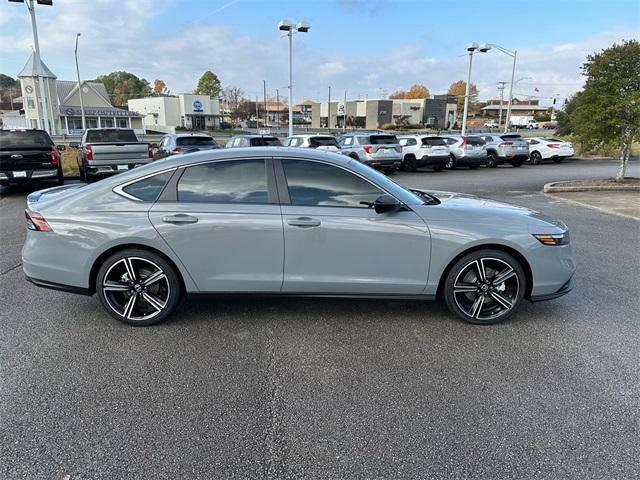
{"x": 122, "y": 86}
{"x": 606, "y": 113}
{"x": 458, "y": 89}
{"x": 9, "y": 87}
{"x": 209, "y": 84}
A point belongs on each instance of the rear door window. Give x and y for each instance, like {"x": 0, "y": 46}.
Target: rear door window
{"x": 383, "y": 139}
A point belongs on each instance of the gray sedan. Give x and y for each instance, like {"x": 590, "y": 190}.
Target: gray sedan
{"x": 290, "y": 222}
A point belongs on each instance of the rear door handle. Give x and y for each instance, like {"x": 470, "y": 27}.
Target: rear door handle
{"x": 180, "y": 218}
{"x": 304, "y": 222}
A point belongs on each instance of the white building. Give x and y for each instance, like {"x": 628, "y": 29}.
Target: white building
{"x": 187, "y": 110}
{"x": 63, "y": 103}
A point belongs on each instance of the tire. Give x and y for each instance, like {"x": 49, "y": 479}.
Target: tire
{"x": 473, "y": 167}
{"x": 4, "y": 183}
{"x": 492, "y": 160}
{"x": 558, "y": 160}
{"x": 389, "y": 171}
{"x": 451, "y": 163}
{"x": 516, "y": 163}
{"x": 480, "y": 300}
{"x": 116, "y": 289}
{"x": 60, "y": 177}
{"x": 536, "y": 158}
{"x": 438, "y": 168}
{"x": 409, "y": 163}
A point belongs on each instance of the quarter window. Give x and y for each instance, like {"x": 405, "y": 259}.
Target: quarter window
{"x": 322, "y": 185}
{"x": 238, "y": 181}
{"x": 148, "y": 189}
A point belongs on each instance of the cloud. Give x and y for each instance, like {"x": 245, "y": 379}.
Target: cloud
{"x": 330, "y": 69}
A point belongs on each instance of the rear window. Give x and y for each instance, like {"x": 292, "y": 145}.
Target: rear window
{"x": 24, "y": 140}
{"x": 382, "y": 139}
{"x": 433, "y": 141}
{"x": 511, "y": 137}
{"x": 323, "y": 142}
{"x": 475, "y": 141}
{"x": 265, "y": 142}
{"x": 148, "y": 189}
{"x": 195, "y": 141}
{"x": 111, "y": 136}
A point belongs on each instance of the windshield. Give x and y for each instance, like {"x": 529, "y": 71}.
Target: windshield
{"x": 24, "y": 140}
{"x": 195, "y": 141}
{"x": 111, "y": 136}
{"x": 405, "y": 196}
{"x": 323, "y": 142}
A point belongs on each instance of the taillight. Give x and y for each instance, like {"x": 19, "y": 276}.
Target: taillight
{"x": 149, "y": 150}
{"x": 506, "y": 144}
{"x": 367, "y": 149}
{"x": 464, "y": 142}
{"x": 36, "y": 222}
{"x": 553, "y": 145}
{"x": 88, "y": 152}
{"x": 55, "y": 158}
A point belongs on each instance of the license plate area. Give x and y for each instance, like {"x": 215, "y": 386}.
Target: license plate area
{"x": 19, "y": 174}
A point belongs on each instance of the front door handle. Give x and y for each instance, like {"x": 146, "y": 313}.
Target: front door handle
{"x": 180, "y": 218}
{"x": 304, "y": 222}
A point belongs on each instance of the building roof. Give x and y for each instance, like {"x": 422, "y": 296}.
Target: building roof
{"x": 66, "y": 87}
{"x": 32, "y": 70}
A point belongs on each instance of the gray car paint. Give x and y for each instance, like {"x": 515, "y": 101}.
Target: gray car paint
{"x": 360, "y": 252}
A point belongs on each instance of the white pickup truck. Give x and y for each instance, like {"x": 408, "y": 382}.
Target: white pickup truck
{"x": 520, "y": 121}
{"x": 105, "y": 151}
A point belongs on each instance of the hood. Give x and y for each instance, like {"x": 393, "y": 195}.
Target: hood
{"x": 471, "y": 209}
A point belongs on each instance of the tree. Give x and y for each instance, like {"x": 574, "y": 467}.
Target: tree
{"x": 418, "y": 91}
{"x": 209, "y": 84}
{"x": 159, "y": 87}
{"x": 606, "y": 112}
{"x": 122, "y": 86}
{"x": 9, "y": 87}
{"x": 232, "y": 96}
{"x": 458, "y": 89}
{"x": 398, "y": 94}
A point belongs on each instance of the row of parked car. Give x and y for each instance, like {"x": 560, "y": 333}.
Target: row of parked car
{"x": 388, "y": 152}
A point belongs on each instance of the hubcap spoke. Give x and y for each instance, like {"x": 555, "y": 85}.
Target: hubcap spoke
{"x": 504, "y": 276}
{"x": 154, "y": 302}
{"x": 502, "y": 300}
{"x": 153, "y": 278}
{"x": 480, "y": 268}
{"x": 129, "y": 266}
{"x": 128, "y": 308}
{"x": 112, "y": 286}
{"x": 464, "y": 287}
{"x": 476, "y": 308}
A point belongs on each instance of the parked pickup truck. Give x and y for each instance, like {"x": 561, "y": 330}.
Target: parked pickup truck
{"x": 28, "y": 156}
{"x": 105, "y": 151}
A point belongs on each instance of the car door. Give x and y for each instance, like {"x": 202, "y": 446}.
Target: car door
{"x": 223, "y": 221}
{"x": 335, "y": 244}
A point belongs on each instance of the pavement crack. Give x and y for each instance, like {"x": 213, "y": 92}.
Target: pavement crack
{"x": 10, "y": 269}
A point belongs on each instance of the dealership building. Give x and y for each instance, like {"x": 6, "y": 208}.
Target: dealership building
{"x": 187, "y": 110}
{"x": 63, "y": 104}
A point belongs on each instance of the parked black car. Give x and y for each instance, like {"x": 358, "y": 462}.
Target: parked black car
{"x": 28, "y": 156}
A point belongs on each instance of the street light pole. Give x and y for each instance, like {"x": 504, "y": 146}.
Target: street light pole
{"x": 501, "y": 88}
{"x": 84, "y": 125}
{"x": 513, "y": 73}
{"x": 466, "y": 95}
{"x": 40, "y": 70}
{"x": 266, "y": 114}
{"x": 287, "y": 26}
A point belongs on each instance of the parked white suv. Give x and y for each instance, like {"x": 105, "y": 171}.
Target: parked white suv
{"x": 319, "y": 142}
{"x": 423, "y": 151}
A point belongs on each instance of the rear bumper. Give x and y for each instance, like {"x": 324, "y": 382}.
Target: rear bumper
{"x": 510, "y": 157}
{"x": 112, "y": 168}
{"x": 59, "y": 286}
{"x": 472, "y": 160}
{"x": 29, "y": 175}
{"x": 432, "y": 161}
{"x": 383, "y": 162}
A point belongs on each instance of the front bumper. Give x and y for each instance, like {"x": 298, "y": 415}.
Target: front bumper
{"x": 29, "y": 175}
{"x": 564, "y": 289}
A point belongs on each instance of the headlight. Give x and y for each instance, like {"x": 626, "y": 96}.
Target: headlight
{"x": 553, "y": 239}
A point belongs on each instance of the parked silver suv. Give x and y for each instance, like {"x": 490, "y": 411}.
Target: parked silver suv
{"x": 375, "y": 149}
{"x": 506, "y": 148}
{"x": 177, "y": 143}
{"x": 468, "y": 150}
{"x": 423, "y": 151}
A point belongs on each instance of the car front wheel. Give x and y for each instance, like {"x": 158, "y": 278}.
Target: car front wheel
{"x": 485, "y": 287}
{"x": 536, "y": 158}
{"x": 492, "y": 160}
{"x": 138, "y": 287}
{"x": 451, "y": 163}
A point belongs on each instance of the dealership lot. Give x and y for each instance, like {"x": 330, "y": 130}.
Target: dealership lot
{"x": 321, "y": 388}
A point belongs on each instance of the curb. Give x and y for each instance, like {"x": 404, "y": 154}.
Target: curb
{"x": 553, "y": 187}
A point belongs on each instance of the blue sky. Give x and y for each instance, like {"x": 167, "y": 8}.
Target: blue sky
{"x": 365, "y": 48}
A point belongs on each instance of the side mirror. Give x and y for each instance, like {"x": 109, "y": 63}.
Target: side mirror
{"x": 386, "y": 203}
{"x": 61, "y": 148}
{"x": 74, "y": 144}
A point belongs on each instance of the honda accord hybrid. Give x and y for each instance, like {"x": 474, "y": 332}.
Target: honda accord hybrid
{"x": 287, "y": 221}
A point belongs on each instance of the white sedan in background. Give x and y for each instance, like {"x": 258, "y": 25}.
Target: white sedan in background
{"x": 548, "y": 148}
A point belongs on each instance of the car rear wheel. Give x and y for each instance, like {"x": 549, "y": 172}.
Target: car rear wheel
{"x": 485, "y": 287}
{"x": 516, "y": 163}
{"x": 438, "y": 168}
{"x": 492, "y": 160}
{"x": 451, "y": 163}
{"x": 138, "y": 287}
{"x": 409, "y": 163}
{"x": 558, "y": 160}
{"x": 60, "y": 177}
{"x": 536, "y": 158}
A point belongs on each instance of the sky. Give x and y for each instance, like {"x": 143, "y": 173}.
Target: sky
{"x": 366, "y": 48}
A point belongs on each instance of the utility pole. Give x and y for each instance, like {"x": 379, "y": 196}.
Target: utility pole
{"x": 344, "y": 124}
{"x": 40, "y": 70}
{"x": 264, "y": 91}
{"x": 84, "y": 123}
{"x": 278, "y": 108}
{"x": 329, "y": 111}
{"x": 501, "y": 88}
{"x": 257, "y": 114}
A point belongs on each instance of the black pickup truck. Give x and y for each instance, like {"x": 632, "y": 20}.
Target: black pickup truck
{"x": 28, "y": 156}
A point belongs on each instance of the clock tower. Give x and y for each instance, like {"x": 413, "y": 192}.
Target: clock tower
{"x": 34, "y": 107}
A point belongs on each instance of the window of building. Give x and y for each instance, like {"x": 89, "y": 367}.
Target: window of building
{"x": 122, "y": 123}
{"x": 91, "y": 123}
{"x": 237, "y": 181}
{"x": 323, "y": 185}
{"x": 106, "y": 122}
{"x": 31, "y": 103}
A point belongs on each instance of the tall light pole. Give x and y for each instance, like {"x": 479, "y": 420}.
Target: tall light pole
{"x": 44, "y": 110}
{"x": 471, "y": 48}
{"x": 501, "y": 88}
{"x": 290, "y": 28}
{"x": 84, "y": 125}
{"x": 513, "y": 54}
{"x": 329, "y": 111}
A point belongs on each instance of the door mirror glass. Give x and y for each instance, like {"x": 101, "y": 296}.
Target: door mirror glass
{"x": 386, "y": 203}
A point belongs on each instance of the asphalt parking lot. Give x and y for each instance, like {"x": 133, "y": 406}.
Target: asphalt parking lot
{"x": 321, "y": 388}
